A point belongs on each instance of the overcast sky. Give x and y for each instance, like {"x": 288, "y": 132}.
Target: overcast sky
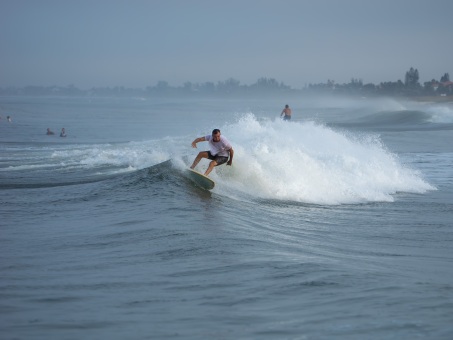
{"x": 136, "y": 43}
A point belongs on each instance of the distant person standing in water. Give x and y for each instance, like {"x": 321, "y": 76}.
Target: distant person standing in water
{"x": 286, "y": 112}
{"x": 50, "y": 132}
{"x": 220, "y": 150}
{"x": 63, "y": 133}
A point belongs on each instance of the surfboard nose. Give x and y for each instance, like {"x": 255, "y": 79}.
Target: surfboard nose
{"x": 200, "y": 179}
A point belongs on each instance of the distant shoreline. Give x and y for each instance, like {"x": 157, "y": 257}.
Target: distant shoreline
{"x": 266, "y": 94}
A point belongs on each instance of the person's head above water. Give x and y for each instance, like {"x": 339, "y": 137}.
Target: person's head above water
{"x": 216, "y": 135}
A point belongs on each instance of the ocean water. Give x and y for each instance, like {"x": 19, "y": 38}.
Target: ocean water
{"x": 336, "y": 225}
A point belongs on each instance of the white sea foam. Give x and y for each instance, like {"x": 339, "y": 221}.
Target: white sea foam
{"x": 441, "y": 114}
{"x": 308, "y": 162}
{"x": 131, "y": 156}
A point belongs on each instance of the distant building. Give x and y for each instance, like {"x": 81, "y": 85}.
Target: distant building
{"x": 447, "y": 84}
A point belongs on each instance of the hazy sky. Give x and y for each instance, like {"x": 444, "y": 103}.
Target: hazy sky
{"x": 136, "y": 43}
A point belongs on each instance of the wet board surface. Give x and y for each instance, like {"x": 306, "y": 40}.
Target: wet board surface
{"x": 200, "y": 179}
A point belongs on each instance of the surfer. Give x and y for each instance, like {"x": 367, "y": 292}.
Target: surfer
{"x": 50, "y": 132}
{"x": 286, "y": 112}
{"x": 63, "y": 133}
{"x": 220, "y": 150}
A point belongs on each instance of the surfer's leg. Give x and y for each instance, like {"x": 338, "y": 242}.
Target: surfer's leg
{"x": 210, "y": 167}
{"x": 202, "y": 154}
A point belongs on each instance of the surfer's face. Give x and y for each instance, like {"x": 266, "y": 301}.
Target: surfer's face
{"x": 216, "y": 137}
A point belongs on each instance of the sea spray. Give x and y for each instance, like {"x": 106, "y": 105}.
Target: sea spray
{"x": 441, "y": 114}
{"x": 309, "y": 162}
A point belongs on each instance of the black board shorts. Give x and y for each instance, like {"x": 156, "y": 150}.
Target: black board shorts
{"x": 219, "y": 159}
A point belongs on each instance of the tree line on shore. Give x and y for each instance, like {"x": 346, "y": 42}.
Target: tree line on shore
{"x": 410, "y": 87}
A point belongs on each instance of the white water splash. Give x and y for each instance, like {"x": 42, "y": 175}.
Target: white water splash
{"x": 307, "y": 162}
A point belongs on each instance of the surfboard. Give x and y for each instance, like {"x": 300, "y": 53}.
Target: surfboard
{"x": 201, "y": 180}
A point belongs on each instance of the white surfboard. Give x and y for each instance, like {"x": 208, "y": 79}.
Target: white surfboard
{"x": 201, "y": 180}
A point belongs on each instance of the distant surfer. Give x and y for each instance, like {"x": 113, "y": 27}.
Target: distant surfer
{"x": 63, "y": 133}
{"x": 220, "y": 150}
{"x": 50, "y": 132}
{"x": 286, "y": 112}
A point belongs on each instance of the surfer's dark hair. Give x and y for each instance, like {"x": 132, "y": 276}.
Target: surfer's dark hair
{"x": 215, "y": 131}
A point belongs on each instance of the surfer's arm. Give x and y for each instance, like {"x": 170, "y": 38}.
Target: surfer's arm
{"x": 199, "y": 139}
{"x": 231, "y": 152}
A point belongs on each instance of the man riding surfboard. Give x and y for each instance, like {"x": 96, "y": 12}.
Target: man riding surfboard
{"x": 220, "y": 150}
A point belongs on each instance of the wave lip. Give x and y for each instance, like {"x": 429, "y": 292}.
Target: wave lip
{"x": 431, "y": 117}
{"x": 41, "y": 167}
